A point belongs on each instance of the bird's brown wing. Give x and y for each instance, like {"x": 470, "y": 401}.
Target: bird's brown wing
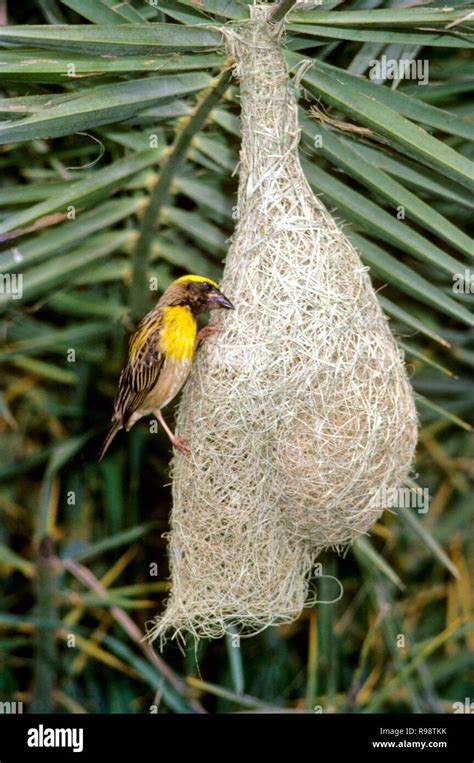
{"x": 141, "y": 372}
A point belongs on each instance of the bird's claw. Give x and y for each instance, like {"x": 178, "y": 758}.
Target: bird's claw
{"x": 181, "y": 444}
{"x": 209, "y": 330}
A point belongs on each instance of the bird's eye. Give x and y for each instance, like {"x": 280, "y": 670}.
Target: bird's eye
{"x": 207, "y": 286}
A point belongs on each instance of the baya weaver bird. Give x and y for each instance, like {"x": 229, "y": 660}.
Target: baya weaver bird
{"x": 161, "y": 353}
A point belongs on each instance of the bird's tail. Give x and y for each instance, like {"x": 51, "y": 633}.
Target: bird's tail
{"x": 110, "y": 436}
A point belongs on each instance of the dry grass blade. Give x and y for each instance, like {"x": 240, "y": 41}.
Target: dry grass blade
{"x": 83, "y": 574}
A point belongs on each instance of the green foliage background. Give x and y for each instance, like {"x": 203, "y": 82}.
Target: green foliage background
{"x": 119, "y": 140}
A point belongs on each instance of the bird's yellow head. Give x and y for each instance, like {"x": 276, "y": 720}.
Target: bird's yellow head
{"x": 196, "y": 292}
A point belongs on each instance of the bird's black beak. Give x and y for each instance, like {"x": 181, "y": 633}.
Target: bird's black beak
{"x": 217, "y": 299}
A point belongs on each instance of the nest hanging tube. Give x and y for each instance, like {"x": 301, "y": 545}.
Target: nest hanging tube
{"x": 299, "y": 412}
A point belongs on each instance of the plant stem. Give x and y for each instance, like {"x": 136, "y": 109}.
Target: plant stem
{"x": 312, "y": 665}
{"x": 235, "y": 659}
{"x": 245, "y": 700}
{"x": 173, "y": 159}
{"x": 281, "y": 9}
{"x": 328, "y": 652}
{"x": 45, "y": 637}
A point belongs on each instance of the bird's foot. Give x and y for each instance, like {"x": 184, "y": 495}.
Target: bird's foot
{"x": 181, "y": 444}
{"x": 205, "y": 332}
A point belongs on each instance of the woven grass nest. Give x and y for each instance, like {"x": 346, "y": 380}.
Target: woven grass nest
{"x": 299, "y": 411}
